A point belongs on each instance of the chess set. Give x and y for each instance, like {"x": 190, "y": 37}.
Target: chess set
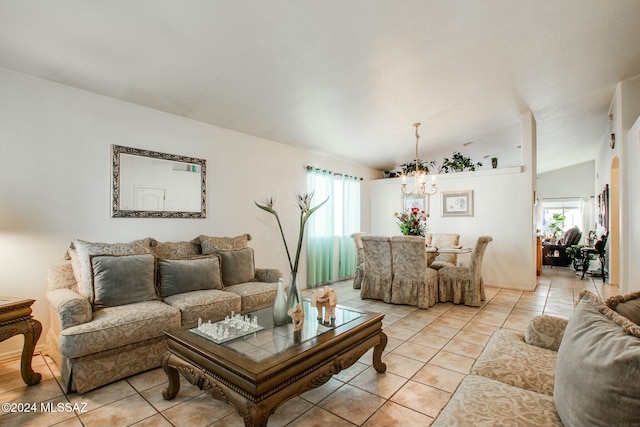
{"x": 232, "y": 327}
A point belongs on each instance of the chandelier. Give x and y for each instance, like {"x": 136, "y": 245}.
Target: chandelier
{"x": 419, "y": 175}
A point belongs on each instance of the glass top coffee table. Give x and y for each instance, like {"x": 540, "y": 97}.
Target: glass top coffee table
{"x": 259, "y": 371}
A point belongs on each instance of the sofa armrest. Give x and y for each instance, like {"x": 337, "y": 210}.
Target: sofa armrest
{"x": 545, "y": 331}
{"x": 267, "y": 275}
{"x": 71, "y": 307}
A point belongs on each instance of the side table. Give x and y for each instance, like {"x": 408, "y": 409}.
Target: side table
{"x": 16, "y": 319}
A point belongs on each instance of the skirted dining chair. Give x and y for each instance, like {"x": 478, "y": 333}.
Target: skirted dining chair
{"x": 359, "y": 274}
{"x": 414, "y": 283}
{"x": 376, "y": 283}
{"x": 463, "y": 285}
{"x": 442, "y": 240}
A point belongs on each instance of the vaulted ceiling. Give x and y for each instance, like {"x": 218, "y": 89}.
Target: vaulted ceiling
{"x": 348, "y": 77}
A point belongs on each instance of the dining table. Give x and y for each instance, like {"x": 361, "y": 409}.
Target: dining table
{"x": 451, "y": 250}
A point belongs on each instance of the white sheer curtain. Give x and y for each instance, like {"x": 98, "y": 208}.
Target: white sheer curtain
{"x": 588, "y": 218}
{"x": 350, "y": 224}
{"x": 320, "y": 228}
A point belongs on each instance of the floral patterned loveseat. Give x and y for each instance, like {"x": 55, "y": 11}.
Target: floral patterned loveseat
{"x": 580, "y": 372}
{"x": 109, "y": 307}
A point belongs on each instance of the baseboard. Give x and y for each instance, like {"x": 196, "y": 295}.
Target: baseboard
{"x": 16, "y": 354}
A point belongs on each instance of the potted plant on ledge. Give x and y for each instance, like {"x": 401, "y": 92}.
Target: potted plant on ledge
{"x": 458, "y": 163}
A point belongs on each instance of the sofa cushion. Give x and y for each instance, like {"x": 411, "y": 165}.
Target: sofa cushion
{"x": 481, "y": 401}
{"x": 81, "y": 251}
{"x": 255, "y": 295}
{"x": 114, "y": 327}
{"x": 508, "y": 359}
{"x": 212, "y": 245}
{"x": 176, "y": 250}
{"x": 186, "y": 275}
{"x": 437, "y": 265}
{"x": 237, "y": 266}
{"x": 597, "y": 373}
{"x": 120, "y": 280}
{"x": 207, "y": 305}
{"x": 626, "y": 305}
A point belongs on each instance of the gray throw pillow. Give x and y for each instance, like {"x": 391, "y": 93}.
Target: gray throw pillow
{"x": 176, "y": 276}
{"x": 237, "y": 266}
{"x": 626, "y": 305}
{"x": 120, "y": 280}
{"x": 597, "y": 369}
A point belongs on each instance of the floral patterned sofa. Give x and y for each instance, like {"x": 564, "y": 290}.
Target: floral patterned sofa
{"x": 580, "y": 372}
{"x": 110, "y": 306}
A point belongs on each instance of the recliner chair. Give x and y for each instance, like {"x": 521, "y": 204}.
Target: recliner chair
{"x": 571, "y": 237}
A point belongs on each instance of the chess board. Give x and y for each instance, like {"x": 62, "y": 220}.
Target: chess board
{"x": 233, "y": 332}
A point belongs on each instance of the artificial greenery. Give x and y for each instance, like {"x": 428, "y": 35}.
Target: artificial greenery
{"x": 410, "y": 167}
{"x": 458, "y": 163}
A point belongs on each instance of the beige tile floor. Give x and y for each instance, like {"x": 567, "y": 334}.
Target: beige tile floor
{"x": 428, "y": 354}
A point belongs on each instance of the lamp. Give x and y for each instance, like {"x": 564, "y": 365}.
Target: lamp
{"x": 419, "y": 175}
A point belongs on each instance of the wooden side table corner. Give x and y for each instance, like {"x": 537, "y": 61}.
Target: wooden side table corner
{"x": 16, "y": 319}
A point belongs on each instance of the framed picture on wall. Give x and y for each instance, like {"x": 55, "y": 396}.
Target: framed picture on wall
{"x": 457, "y": 203}
{"x": 414, "y": 201}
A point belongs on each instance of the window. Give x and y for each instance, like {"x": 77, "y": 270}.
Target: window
{"x": 330, "y": 248}
{"x": 571, "y": 209}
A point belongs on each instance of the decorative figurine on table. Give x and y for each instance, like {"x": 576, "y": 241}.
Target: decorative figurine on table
{"x": 297, "y": 317}
{"x": 325, "y": 299}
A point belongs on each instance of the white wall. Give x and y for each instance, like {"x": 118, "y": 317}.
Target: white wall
{"x": 573, "y": 181}
{"x": 632, "y": 279}
{"x": 502, "y": 210}
{"x": 55, "y": 181}
{"x": 625, "y": 110}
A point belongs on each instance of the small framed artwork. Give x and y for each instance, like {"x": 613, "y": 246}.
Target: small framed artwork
{"x": 457, "y": 203}
{"x": 414, "y": 201}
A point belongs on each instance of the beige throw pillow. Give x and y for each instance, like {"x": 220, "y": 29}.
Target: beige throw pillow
{"x": 176, "y": 250}
{"x": 545, "y": 331}
{"x": 211, "y": 245}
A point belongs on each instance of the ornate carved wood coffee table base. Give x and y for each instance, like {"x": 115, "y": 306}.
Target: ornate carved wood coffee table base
{"x": 15, "y": 319}
{"x": 257, "y": 396}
